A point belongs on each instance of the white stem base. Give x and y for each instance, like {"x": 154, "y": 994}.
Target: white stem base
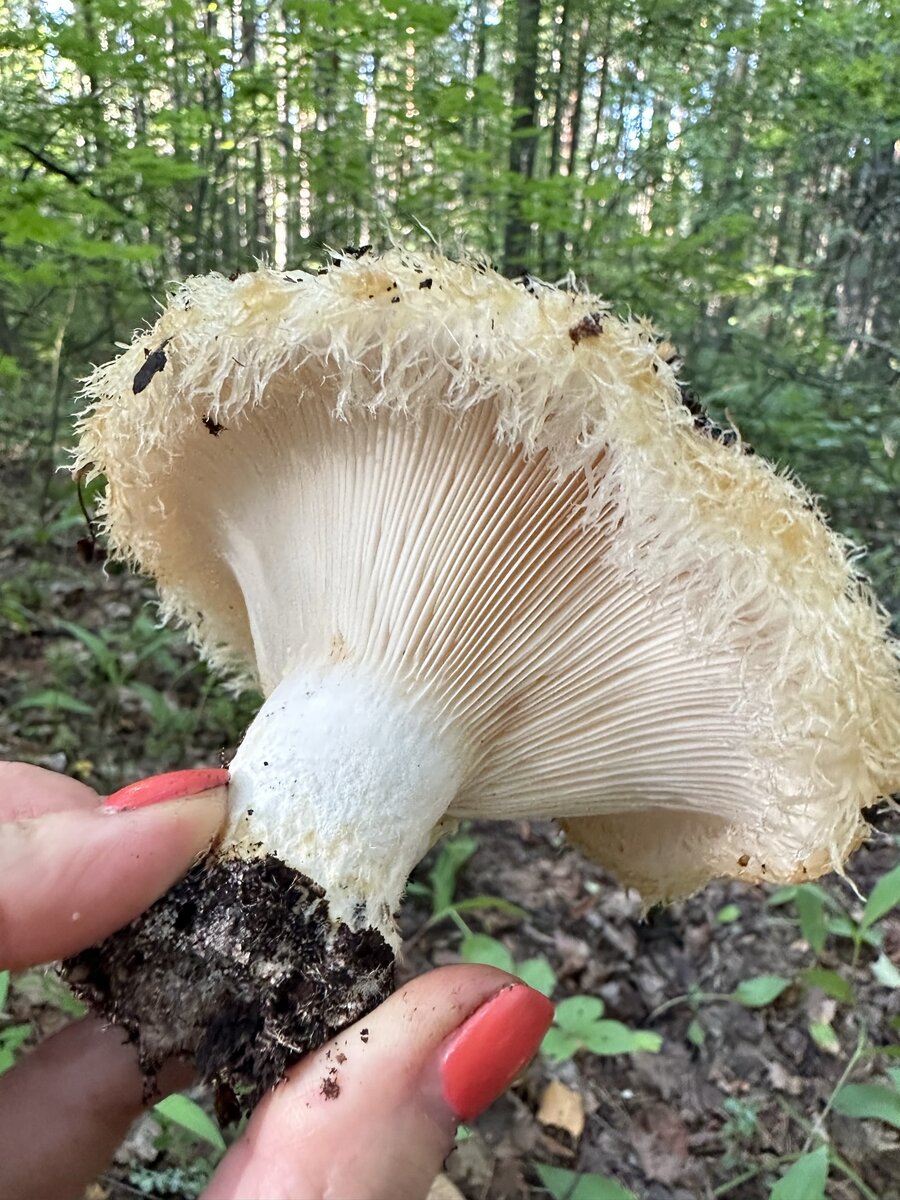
{"x": 343, "y": 779}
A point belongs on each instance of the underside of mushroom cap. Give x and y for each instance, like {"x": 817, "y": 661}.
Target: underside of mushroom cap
{"x": 492, "y": 496}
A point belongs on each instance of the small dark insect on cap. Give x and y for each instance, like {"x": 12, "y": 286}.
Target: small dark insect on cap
{"x": 588, "y": 327}
{"x": 154, "y": 362}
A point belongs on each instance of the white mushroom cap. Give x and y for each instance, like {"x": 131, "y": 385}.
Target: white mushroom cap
{"x": 483, "y": 508}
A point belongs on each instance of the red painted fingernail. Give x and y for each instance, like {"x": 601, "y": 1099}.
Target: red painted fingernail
{"x": 174, "y": 785}
{"x": 485, "y": 1055}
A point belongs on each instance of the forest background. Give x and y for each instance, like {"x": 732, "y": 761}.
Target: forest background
{"x": 731, "y": 170}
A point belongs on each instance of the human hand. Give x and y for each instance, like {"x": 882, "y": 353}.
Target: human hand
{"x": 370, "y": 1115}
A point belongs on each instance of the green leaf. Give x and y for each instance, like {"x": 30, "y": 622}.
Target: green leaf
{"x": 497, "y": 903}
{"x": 609, "y": 1037}
{"x": 183, "y": 1111}
{"x": 11, "y": 1039}
{"x": 784, "y": 895}
{"x": 842, "y": 926}
{"x": 884, "y": 971}
{"x": 811, "y": 914}
{"x": 479, "y": 948}
{"x": 157, "y": 705}
{"x": 538, "y": 974}
{"x": 829, "y": 982}
{"x": 578, "y": 1013}
{"x": 612, "y": 1037}
{"x": 696, "y": 1034}
{"x": 728, "y": 914}
{"x": 58, "y": 994}
{"x": 4, "y": 989}
{"x": 105, "y": 658}
{"x": 805, "y": 1179}
{"x": 51, "y": 698}
{"x": 453, "y": 856}
{"x": 479, "y": 903}
{"x": 824, "y": 1036}
{"x": 560, "y": 1045}
{"x": 647, "y": 1042}
{"x": 572, "y": 1185}
{"x": 885, "y": 896}
{"x": 760, "y": 990}
{"x": 869, "y": 1100}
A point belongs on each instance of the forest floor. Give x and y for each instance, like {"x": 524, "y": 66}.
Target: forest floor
{"x": 734, "y": 1091}
{"x": 685, "y": 1122}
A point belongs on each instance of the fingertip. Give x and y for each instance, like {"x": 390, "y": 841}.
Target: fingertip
{"x": 387, "y": 1076}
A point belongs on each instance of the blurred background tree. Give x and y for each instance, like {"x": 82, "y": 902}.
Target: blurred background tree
{"x": 730, "y": 170}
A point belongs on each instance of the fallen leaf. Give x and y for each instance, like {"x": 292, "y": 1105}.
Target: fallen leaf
{"x": 661, "y": 1142}
{"x": 444, "y": 1188}
{"x": 782, "y": 1080}
{"x": 562, "y": 1108}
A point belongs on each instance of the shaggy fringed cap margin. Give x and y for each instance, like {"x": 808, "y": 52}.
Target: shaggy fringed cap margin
{"x": 493, "y": 494}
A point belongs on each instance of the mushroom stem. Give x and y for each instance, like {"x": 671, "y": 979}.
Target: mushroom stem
{"x": 347, "y": 777}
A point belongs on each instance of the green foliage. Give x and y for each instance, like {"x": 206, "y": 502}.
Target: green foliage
{"x": 536, "y": 972}
{"x": 188, "y": 1115}
{"x": 728, "y": 914}
{"x": 578, "y": 1022}
{"x": 820, "y": 916}
{"x": 832, "y": 983}
{"x": 760, "y": 991}
{"x": 454, "y": 853}
{"x": 878, "y": 1101}
{"x": 12, "y": 1038}
{"x": 885, "y": 897}
{"x": 186, "y": 1181}
{"x": 579, "y": 1025}
{"x": 479, "y": 948}
{"x": 573, "y": 1185}
{"x": 804, "y": 1179}
{"x": 53, "y": 699}
{"x": 742, "y": 1124}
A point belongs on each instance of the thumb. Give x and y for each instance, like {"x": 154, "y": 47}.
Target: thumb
{"x": 373, "y": 1113}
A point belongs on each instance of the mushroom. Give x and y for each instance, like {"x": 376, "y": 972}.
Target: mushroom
{"x": 484, "y": 558}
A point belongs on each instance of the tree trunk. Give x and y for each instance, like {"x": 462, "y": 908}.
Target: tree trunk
{"x": 523, "y": 138}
